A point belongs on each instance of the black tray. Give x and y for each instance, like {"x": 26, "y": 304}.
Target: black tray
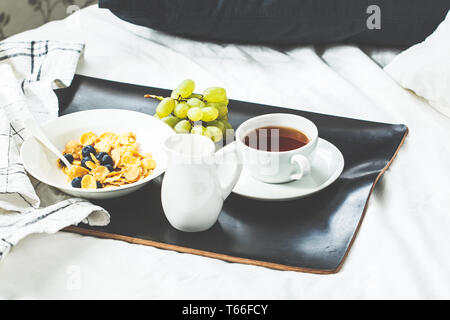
{"x": 313, "y": 234}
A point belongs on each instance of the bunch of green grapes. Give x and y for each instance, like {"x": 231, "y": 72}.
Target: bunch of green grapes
{"x": 187, "y": 112}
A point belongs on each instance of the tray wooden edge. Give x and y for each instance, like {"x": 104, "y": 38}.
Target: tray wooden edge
{"x": 338, "y": 268}
{"x": 209, "y": 254}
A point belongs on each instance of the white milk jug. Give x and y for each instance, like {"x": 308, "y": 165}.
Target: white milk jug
{"x": 197, "y": 181}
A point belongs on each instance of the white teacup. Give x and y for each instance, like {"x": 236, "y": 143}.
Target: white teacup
{"x": 278, "y": 166}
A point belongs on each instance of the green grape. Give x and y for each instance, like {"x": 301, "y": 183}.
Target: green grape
{"x": 175, "y": 95}
{"x": 221, "y": 103}
{"x": 223, "y": 112}
{"x": 221, "y": 106}
{"x": 184, "y": 126}
{"x": 185, "y": 88}
{"x": 214, "y": 94}
{"x": 216, "y": 104}
{"x": 206, "y": 133}
{"x": 195, "y": 103}
{"x": 215, "y": 133}
{"x": 219, "y": 124}
{"x": 209, "y": 114}
{"x": 198, "y": 130}
{"x": 196, "y": 95}
{"x": 156, "y": 116}
{"x": 195, "y": 114}
{"x": 170, "y": 120}
{"x": 165, "y": 107}
{"x": 181, "y": 110}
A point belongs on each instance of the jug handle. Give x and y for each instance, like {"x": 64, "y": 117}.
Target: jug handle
{"x": 235, "y": 171}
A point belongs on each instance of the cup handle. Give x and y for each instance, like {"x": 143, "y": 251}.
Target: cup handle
{"x": 230, "y": 170}
{"x": 303, "y": 166}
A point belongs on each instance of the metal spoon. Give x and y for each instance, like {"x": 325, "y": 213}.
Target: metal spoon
{"x": 35, "y": 129}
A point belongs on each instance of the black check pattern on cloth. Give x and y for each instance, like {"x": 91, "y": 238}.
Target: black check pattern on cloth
{"x": 29, "y": 70}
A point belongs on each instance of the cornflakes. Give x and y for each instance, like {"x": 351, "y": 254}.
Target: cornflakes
{"x": 132, "y": 173}
{"x": 103, "y": 146}
{"x": 94, "y": 158}
{"x": 117, "y": 160}
{"x": 148, "y": 163}
{"x": 129, "y": 159}
{"x": 74, "y": 148}
{"x": 75, "y": 172}
{"x": 100, "y": 173}
{"x": 88, "y": 138}
{"x": 88, "y": 182}
{"x": 90, "y": 165}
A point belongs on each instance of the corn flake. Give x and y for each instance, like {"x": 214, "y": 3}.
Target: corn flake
{"x": 97, "y": 163}
{"x": 115, "y": 155}
{"x": 129, "y": 159}
{"x": 127, "y": 138}
{"x": 148, "y": 163}
{"x": 91, "y": 165}
{"x": 88, "y": 138}
{"x": 88, "y": 182}
{"x": 132, "y": 173}
{"x": 74, "y": 148}
{"x": 75, "y": 172}
{"x": 100, "y": 173}
{"x": 103, "y": 146}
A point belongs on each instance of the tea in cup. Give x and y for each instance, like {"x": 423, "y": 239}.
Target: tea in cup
{"x": 277, "y": 147}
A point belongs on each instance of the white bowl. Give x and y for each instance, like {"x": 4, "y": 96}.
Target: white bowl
{"x": 41, "y": 163}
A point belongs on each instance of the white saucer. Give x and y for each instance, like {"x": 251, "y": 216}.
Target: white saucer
{"x": 326, "y": 168}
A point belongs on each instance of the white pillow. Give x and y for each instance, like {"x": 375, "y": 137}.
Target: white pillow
{"x": 425, "y": 68}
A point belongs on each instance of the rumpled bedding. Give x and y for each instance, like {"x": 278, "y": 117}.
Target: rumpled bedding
{"x": 402, "y": 248}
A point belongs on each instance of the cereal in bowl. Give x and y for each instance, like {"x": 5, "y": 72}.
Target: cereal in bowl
{"x": 106, "y": 160}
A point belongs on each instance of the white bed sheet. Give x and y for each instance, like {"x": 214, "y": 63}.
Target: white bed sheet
{"x": 402, "y": 249}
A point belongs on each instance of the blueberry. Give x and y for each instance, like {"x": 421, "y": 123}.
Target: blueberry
{"x": 87, "y": 150}
{"x": 83, "y": 162}
{"x": 69, "y": 158}
{"x": 109, "y": 167}
{"x": 101, "y": 155}
{"x": 106, "y": 160}
{"x": 76, "y": 182}
{"x": 99, "y": 185}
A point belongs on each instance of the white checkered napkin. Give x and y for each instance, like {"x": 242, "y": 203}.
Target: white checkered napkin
{"x": 29, "y": 71}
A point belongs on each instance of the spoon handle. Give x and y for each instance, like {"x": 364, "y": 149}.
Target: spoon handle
{"x": 37, "y": 132}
